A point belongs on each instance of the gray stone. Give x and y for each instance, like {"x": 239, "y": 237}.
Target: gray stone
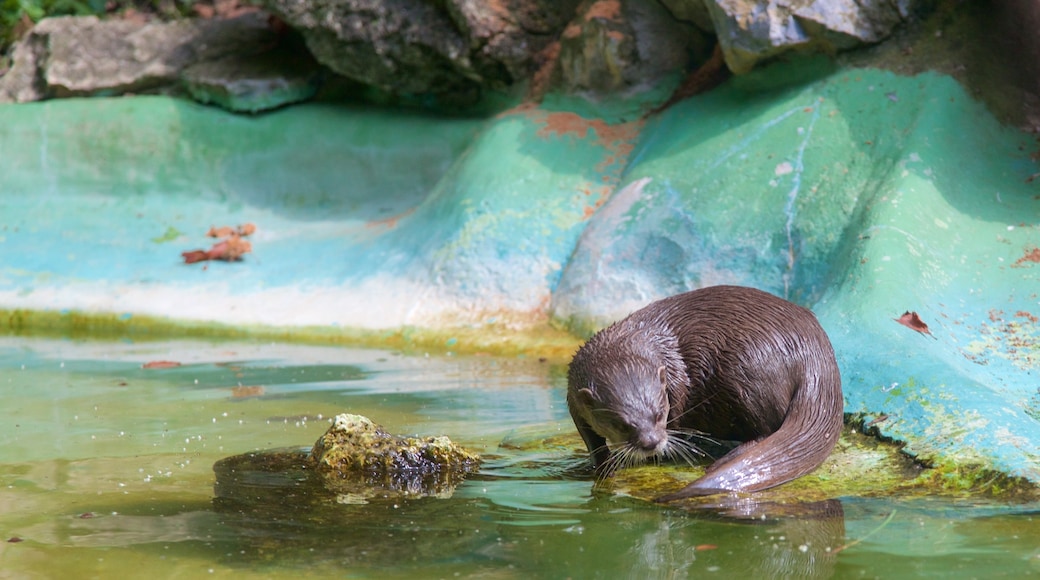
{"x": 356, "y": 457}
{"x": 504, "y": 36}
{"x": 616, "y": 45}
{"x": 751, "y": 31}
{"x": 417, "y": 46}
{"x": 692, "y": 11}
{"x": 252, "y": 84}
{"x": 405, "y": 46}
{"x": 23, "y": 82}
{"x": 83, "y": 56}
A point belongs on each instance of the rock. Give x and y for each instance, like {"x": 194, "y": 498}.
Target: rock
{"x": 23, "y": 82}
{"x": 356, "y": 456}
{"x": 403, "y": 46}
{"x": 693, "y": 11}
{"x": 504, "y": 36}
{"x": 453, "y": 48}
{"x": 621, "y": 44}
{"x": 251, "y": 84}
{"x": 84, "y": 56}
{"x": 750, "y": 31}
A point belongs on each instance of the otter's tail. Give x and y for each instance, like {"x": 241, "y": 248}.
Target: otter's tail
{"x": 804, "y": 440}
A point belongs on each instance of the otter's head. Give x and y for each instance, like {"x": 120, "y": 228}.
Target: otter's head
{"x": 624, "y": 399}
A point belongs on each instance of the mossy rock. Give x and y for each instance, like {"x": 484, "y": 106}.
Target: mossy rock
{"x": 355, "y": 456}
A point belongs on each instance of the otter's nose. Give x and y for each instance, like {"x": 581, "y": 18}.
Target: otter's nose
{"x": 649, "y": 441}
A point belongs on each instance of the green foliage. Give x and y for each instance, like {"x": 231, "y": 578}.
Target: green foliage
{"x": 16, "y": 14}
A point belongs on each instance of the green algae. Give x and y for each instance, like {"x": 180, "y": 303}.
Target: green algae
{"x": 862, "y": 465}
{"x": 358, "y": 457}
{"x": 546, "y": 343}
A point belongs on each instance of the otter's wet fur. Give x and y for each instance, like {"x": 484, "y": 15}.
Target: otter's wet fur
{"x": 723, "y": 363}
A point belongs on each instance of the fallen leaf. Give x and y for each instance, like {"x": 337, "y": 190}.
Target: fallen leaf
{"x": 703, "y": 547}
{"x": 160, "y": 364}
{"x": 221, "y": 232}
{"x": 912, "y": 321}
{"x": 194, "y": 256}
{"x": 879, "y": 419}
{"x": 230, "y": 248}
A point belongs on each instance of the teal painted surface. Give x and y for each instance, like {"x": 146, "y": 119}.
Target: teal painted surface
{"x": 863, "y": 195}
{"x": 856, "y": 192}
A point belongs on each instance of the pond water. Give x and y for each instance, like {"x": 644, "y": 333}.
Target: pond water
{"x": 106, "y": 471}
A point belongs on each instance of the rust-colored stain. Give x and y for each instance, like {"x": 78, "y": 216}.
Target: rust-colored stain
{"x": 617, "y": 140}
{"x": 390, "y": 222}
{"x": 1031, "y": 255}
{"x": 1014, "y": 340}
{"x": 1028, "y": 316}
{"x": 545, "y": 61}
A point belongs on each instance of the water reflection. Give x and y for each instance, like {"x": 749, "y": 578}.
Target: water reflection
{"x": 91, "y": 468}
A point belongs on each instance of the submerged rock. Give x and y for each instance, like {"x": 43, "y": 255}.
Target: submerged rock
{"x": 355, "y": 456}
{"x": 355, "y": 461}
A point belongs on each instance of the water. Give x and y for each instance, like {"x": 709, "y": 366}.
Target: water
{"x": 106, "y": 472}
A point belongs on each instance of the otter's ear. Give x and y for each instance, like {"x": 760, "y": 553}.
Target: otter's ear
{"x": 662, "y": 375}
{"x": 586, "y": 396}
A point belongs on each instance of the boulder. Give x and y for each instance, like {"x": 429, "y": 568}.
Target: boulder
{"x": 616, "y": 45}
{"x": 356, "y": 457}
{"x": 751, "y": 30}
{"x": 419, "y": 47}
{"x": 84, "y": 56}
{"x": 254, "y": 83}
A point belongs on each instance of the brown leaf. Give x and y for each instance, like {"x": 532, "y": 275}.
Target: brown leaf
{"x": 912, "y": 321}
{"x": 221, "y": 232}
{"x": 160, "y": 364}
{"x": 194, "y": 256}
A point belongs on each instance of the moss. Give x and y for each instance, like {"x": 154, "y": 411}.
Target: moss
{"x": 540, "y": 342}
{"x": 356, "y": 457}
{"x": 861, "y": 465}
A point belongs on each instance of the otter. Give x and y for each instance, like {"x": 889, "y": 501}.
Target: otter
{"x": 722, "y": 363}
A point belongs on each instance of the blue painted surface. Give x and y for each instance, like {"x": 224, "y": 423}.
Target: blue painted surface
{"x": 856, "y": 192}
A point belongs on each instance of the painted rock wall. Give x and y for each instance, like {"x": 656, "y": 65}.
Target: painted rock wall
{"x": 856, "y": 192}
